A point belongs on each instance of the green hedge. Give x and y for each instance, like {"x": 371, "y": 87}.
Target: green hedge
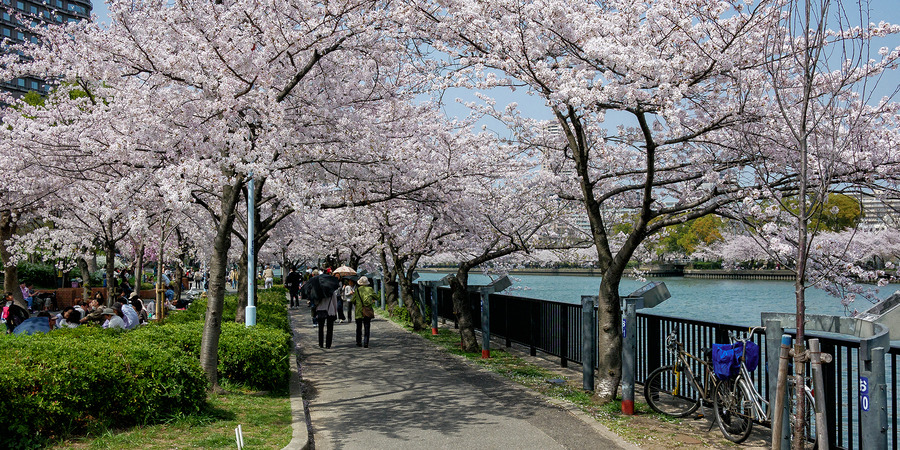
{"x": 40, "y": 275}
{"x": 70, "y": 381}
{"x": 76, "y": 380}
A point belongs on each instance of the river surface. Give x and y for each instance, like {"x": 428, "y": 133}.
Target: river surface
{"x": 736, "y": 302}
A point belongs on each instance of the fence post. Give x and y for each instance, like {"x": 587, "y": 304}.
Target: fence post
{"x": 485, "y": 324}
{"x": 587, "y": 341}
{"x": 434, "y": 310}
{"x": 872, "y": 396}
{"x": 629, "y": 348}
{"x": 830, "y": 391}
{"x": 381, "y": 283}
{"x": 774, "y": 332}
{"x": 564, "y": 338}
{"x": 533, "y": 332}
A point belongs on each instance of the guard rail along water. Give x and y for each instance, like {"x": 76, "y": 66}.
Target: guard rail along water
{"x": 853, "y": 391}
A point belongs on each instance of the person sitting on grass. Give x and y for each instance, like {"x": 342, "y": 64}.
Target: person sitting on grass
{"x": 12, "y": 313}
{"x": 69, "y": 318}
{"x": 112, "y": 320}
{"x": 95, "y": 314}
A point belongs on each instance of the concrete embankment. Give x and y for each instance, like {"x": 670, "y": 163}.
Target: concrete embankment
{"x": 652, "y": 271}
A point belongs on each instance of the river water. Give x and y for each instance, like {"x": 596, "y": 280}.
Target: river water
{"x": 736, "y": 302}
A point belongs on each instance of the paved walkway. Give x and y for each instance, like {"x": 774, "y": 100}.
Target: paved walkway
{"x": 403, "y": 392}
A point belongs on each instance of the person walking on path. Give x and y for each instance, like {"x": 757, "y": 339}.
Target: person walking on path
{"x": 269, "y": 276}
{"x": 347, "y": 292}
{"x": 363, "y": 299}
{"x": 292, "y": 282}
{"x": 326, "y": 314}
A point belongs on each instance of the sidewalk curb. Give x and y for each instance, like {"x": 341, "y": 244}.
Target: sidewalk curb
{"x": 300, "y": 422}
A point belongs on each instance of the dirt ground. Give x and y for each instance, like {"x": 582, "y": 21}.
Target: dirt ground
{"x": 647, "y": 430}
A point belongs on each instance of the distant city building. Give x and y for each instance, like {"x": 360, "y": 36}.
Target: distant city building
{"x": 19, "y": 14}
{"x": 879, "y": 213}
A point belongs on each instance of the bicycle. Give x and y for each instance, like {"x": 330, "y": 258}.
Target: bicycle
{"x": 738, "y": 404}
{"x": 675, "y": 390}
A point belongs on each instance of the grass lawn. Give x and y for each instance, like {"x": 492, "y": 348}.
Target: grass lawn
{"x": 265, "y": 420}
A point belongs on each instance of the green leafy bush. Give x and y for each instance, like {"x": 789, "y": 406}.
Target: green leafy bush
{"x": 76, "y": 380}
{"x": 41, "y": 275}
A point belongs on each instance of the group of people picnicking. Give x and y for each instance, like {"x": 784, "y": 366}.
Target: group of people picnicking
{"x": 327, "y": 292}
{"x": 127, "y": 312}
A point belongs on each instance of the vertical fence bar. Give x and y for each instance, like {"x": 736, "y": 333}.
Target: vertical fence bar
{"x": 564, "y": 336}
{"x": 485, "y": 325}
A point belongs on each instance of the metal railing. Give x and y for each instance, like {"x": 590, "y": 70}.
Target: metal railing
{"x": 555, "y": 328}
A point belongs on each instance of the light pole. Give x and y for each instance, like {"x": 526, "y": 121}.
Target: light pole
{"x": 250, "y": 312}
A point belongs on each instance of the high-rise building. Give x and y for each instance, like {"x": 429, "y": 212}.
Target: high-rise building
{"x": 19, "y": 14}
{"x": 879, "y": 213}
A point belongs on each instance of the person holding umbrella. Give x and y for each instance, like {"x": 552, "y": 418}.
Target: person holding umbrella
{"x": 342, "y": 272}
{"x": 347, "y": 293}
{"x": 322, "y": 292}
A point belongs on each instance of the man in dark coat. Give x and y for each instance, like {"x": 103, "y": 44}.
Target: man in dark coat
{"x": 292, "y": 281}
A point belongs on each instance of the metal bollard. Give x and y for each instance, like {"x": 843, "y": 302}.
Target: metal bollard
{"x": 588, "y": 346}
{"x": 434, "y": 310}
{"x": 485, "y": 325}
{"x": 629, "y": 349}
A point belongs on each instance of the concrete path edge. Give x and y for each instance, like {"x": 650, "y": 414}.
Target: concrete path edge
{"x": 300, "y": 422}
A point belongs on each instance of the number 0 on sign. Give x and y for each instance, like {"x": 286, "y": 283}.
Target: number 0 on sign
{"x": 864, "y": 393}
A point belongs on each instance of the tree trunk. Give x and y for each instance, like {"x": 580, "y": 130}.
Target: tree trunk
{"x": 11, "y": 271}
{"x": 609, "y": 338}
{"x": 92, "y": 263}
{"x": 85, "y": 279}
{"x": 110, "y": 271}
{"x": 179, "y": 275}
{"x": 139, "y": 270}
{"x": 463, "y": 310}
{"x": 411, "y": 303}
{"x": 218, "y": 265}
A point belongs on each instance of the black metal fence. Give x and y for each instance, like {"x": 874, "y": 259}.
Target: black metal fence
{"x": 555, "y": 328}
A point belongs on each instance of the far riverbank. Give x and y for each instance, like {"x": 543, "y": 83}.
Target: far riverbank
{"x": 650, "y": 271}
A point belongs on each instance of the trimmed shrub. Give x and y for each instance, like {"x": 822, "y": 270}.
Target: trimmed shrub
{"x": 41, "y": 275}
{"x": 71, "y": 381}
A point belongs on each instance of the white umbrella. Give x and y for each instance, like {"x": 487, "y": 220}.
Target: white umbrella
{"x": 343, "y": 271}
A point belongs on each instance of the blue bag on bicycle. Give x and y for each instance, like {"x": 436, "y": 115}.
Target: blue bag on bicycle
{"x": 751, "y": 355}
{"x": 726, "y": 358}
{"x": 725, "y": 364}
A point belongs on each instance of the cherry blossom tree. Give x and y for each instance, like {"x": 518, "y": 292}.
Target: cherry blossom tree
{"x": 674, "y": 71}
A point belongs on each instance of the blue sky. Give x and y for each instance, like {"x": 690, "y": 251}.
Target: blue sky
{"x": 883, "y": 10}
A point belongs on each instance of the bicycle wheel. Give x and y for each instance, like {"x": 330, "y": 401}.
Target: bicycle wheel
{"x": 809, "y": 417}
{"x": 733, "y": 411}
{"x": 669, "y": 392}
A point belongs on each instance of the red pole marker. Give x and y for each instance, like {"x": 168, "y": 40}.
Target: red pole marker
{"x": 485, "y": 354}
{"x": 628, "y": 407}
{"x": 434, "y": 332}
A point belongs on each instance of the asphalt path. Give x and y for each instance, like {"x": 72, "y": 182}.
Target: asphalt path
{"x": 404, "y": 392}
